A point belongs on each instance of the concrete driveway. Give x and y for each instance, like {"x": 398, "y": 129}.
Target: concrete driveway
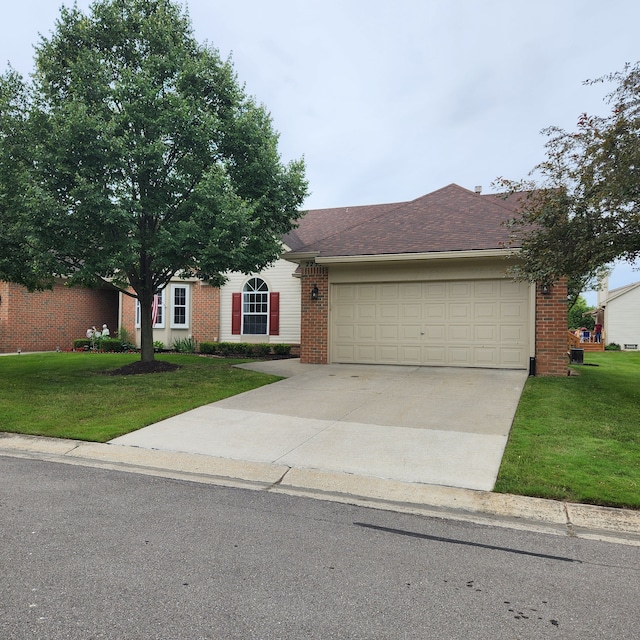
{"x": 433, "y": 425}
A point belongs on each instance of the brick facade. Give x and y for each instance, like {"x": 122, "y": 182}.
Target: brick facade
{"x": 205, "y": 312}
{"x": 204, "y": 325}
{"x": 48, "y": 320}
{"x": 314, "y": 323}
{"x": 551, "y": 330}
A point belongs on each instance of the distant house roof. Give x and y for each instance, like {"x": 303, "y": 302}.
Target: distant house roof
{"x": 449, "y": 219}
{"x": 620, "y": 291}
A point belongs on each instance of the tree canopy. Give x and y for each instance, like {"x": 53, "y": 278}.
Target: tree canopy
{"x": 583, "y": 211}
{"x": 580, "y": 315}
{"x": 134, "y": 154}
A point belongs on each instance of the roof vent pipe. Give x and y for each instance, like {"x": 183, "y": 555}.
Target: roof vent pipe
{"x": 479, "y": 189}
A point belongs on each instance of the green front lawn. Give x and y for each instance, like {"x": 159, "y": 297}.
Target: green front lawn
{"x": 575, "y": 438}
{"x": 578, "y": 438}
{"x": 66, "y": 395}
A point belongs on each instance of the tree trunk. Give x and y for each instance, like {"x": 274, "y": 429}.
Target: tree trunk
{"x": 146, "y": 329}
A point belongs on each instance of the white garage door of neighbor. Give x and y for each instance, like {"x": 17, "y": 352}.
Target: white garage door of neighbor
{"x": 477, "y": 323}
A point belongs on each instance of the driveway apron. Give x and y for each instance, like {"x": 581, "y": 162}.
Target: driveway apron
{"x": 432, "y": 425}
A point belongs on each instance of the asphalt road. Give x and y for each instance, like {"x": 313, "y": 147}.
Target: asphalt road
{"x": 89, "y": 553}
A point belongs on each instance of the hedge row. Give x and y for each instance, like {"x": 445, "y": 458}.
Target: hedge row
{"x": 101, "y": 344}
{"x": 244, "y": 349}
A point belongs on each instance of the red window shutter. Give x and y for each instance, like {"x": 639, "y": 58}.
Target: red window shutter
{"x": 274, "y": 313}
{"x": 236, "y": 313}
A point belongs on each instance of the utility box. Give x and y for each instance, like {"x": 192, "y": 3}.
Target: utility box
{"x": 576, "y": 356}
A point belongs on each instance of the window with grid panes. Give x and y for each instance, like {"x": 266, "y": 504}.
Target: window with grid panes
{"x": 255, "y": 307}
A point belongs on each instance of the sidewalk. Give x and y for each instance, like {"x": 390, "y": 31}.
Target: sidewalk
{"x": 481, "y": 507}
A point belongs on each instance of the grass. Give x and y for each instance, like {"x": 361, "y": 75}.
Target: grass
{"x": 66, "y": 395}
{"x": 578, "y": 438}
{"x": 575, "y": 438}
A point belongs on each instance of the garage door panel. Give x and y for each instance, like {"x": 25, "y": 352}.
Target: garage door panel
{"x": 434, "y": 355}
{"x": 345, "y": 333}
{"x": 512, "y": 333}
{"x": 485, "y": 333}
{"x": 436, "y": 333}
{"x": 365, "y": 312}
{"x": 365, "y": 332}
{"x": 482, "y": 323}
{"x": 512, "y": 310}
{"x": 411, "y": 312}
{"x": 411, "y": 355}
{"x": 435, "y": 311}
{"x": 460, "y": 290}
{"x": 365, "y": 293}
{"x": 389, "y": 292}
{"x": 486, "y": 356}
{"x": 410, "y": 290}
{"x": 410, "y": 332}
{"x": 388, "y": 312}
{"x": 460, "y": 333}
{"x": 512, "y": 358}
{"x": 460, "y": 356}
{"x": 346, "y": 312}
{"x": 460, "y": 311}
{"x": 434, "y": 290}
{"x": 389, "y": 332}
{"x": 388, "y": 354}
{"x": 483, "y": 311}
{"x": 486, "y": 289}
{"x": 365, "y": 353}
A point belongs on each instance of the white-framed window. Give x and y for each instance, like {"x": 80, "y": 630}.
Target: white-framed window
{"x": 255, "y": 307}
{"x": 159, "y": 303}
{"x": 179, "y": 306}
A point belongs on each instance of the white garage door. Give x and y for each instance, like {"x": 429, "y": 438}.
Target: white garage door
{"x": 479, "y": 323}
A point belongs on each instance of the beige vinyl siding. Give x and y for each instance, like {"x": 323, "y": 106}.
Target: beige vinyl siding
{"x": 279, "y": 278}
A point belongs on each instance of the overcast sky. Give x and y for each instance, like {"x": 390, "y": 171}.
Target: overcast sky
{"x": 388, "y": 101}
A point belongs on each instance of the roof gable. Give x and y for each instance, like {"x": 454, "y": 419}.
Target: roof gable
{"x": 621, "y": 291}
{"x": 449, "y": 219}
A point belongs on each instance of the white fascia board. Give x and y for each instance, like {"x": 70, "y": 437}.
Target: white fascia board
{"x": 300, "y": 256}
{"x": 432, "y": 255}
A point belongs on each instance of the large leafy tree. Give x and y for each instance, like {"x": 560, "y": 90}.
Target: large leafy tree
{"x": 583, "y": 209}
{"x": 134, "y": 154}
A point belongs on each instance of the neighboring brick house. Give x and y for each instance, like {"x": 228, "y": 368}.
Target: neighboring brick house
{"x": 50, "y": 320}
{"x": 187, "y": 308}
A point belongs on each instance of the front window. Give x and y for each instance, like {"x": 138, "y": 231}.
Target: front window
{"x": 255, "y": 307}
{"x": 180, "y": 306}
{"x": 157, "y": 312}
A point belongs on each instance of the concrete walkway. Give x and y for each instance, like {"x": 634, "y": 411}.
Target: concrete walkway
{"x": 438, "y": 426}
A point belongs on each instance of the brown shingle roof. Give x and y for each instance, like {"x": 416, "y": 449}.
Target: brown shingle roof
{"x": 449, "y": 219}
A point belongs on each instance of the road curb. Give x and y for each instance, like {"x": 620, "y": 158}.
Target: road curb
{"x": 482, "y": 507}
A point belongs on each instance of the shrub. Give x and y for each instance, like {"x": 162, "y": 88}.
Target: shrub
{"x": 261, "y": 350}
{"x": 209, "y": 347}
{"x": 282, "y": 349}
{"x": 241, "y": 349}
{"x": 111, "y": 344}
{"x": 81, "y": 343}
{"x": 225, "y": 348}
{"x": 158, "y": 345}
{"x": 612, "y": 346}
